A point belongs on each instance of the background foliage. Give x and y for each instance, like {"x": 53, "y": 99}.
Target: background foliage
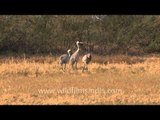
{"x": 103, "y": 34}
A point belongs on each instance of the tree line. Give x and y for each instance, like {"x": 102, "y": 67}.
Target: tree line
{"x": 102, "y": 34}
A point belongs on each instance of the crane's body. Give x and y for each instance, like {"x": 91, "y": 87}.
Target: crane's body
{"x": 86, "y": 60}
{"x": 63, "y": 60}
{"x": 75, "y": 56}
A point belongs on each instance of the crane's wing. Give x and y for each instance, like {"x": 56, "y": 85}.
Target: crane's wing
{"x": 62, "y": 57}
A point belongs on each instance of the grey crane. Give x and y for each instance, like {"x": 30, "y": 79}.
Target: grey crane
{"x": 75, "y": 56}
{"x": 86, "y": 60}
{"x": 63, "y": 60}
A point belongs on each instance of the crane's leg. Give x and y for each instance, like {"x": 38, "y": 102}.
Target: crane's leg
{"x": 72, "y": 66}
{"x": 68, "y": 65}
{"x": 86, "y": 67}
{"x": 76, "y": 65}
{"x": 64, "y": 66}
{"x": 83, "y": 68}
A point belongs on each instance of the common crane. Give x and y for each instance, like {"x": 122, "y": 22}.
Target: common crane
{"x": 75, "y": 56}
{"x": 86, "y": 60}
{"x": 63, "y": 60}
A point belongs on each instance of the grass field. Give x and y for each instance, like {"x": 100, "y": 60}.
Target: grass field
{"x": 109, "y": 80}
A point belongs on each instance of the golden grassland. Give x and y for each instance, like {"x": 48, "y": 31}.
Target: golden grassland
{"x": 109, "y": 80}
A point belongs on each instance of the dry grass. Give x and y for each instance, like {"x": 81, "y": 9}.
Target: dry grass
{"x": 39, "y": 80}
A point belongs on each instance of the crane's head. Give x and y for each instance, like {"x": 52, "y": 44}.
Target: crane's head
{"x": 69, "y": 51}
{"x": 79, "y": 43}
{"x": 89, "y": 55}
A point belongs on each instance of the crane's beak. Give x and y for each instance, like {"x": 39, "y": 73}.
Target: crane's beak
{"x": 81, "y": 43}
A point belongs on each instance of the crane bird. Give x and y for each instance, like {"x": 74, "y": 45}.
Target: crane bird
{"x": 75, "y": 56}
{"x": 63, "y": 60}
{"x": 86, "y": 60}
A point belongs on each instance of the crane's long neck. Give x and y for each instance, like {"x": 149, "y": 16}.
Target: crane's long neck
{"x": 69, "y": 54}
{"x": 78, "y": 48}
